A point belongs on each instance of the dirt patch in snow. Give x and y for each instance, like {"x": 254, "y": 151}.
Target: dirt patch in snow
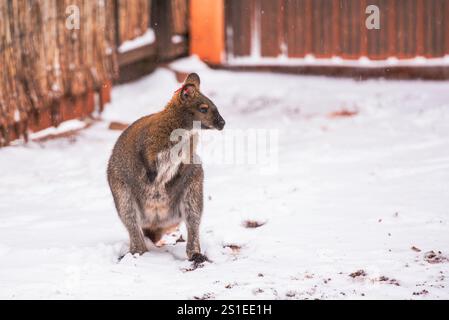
{"x": 235, "y": 248}
{"x": 206, "y": 296}
{"x": 230, "y": 285}
{"x": 387, "y": 280}
{"x": 291, "y": 294}
{"x": 435, "y": 257}
{"x": 252, "y": 224}
{"x": 343, "y": 113}
{"x": 358, "y": 273}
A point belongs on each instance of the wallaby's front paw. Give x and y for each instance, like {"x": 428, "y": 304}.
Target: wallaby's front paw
{"x": 198, "y": 258}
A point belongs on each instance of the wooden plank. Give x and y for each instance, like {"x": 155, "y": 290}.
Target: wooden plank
{"x": 336, "y": 49}
{"x": 271, "y": 41}
{"x": 239, "y": 26}
{"x": 229, "y": 27}
{"x": 308, "y": 24}
{"x": 428, "y": 35}
{"x": 438, "y": 27}
{"x": 282, "y": 28}
{"x": 350, "y": 29}
{"x": 294, "y": 27}
{"x": 411, "y": 18}
{"x": 392, "y": 28}
{"x": 357, "y": 24}
{"x": 446, "y": 27}
{"x": 322, "y": 32}
{"x": 406, "y": 30}
{"x": 162, "y": 26}
{"x": 377, "y": 39}
{"x": 363, "y": 30}
{"x": 132, "y": 56}
{"x": 420, "y": 27}
{"x": 344, "y": 28}
{"x": 398, "y": 34}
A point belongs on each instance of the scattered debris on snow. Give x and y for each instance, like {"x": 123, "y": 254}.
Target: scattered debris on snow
{"x": 358, "y": 273}
{"x": 343, "y": 113}
{"x": 435, "y": 257}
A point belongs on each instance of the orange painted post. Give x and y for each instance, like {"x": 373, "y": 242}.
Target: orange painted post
{"x": 207, "y": 30}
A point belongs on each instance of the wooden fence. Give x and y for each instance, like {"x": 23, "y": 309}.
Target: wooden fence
{"x": 53, "y": 70}
{"x": 326, "y": 28}
{"x": 168, "y": 19}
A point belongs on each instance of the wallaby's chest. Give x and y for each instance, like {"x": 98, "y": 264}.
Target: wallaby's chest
{"x": 157, "y": 204}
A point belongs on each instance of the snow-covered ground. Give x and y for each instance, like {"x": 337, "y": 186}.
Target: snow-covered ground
{"x": 367, "y": 192}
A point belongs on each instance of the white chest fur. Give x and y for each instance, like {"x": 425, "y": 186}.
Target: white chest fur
{"x": 157, "y": 206}
{"x": 168, "y": 161}
{"x": 167, "y": 167}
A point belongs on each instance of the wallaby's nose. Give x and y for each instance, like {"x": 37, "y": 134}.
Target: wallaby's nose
{"x": 220, "y": 123}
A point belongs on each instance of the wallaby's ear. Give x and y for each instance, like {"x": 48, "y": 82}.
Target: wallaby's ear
{"x": 193, "y": 79}
{"x": 187, "y": 91}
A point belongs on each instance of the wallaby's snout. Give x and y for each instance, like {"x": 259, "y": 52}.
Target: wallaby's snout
{"x": 219, "y": 122}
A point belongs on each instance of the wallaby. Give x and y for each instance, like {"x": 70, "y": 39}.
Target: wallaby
{"x": 152, "y": 191}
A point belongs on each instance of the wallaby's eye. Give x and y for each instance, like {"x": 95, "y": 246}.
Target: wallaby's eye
{"x": 204, "y": 108}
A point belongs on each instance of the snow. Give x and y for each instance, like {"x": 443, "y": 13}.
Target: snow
{"x": 350, "y": 193}
{"x": 65, "y": 126}
{"x": 177, "y": 38}
{"x": 147, "y": 38}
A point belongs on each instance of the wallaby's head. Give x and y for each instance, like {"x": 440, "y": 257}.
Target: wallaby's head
{"x": 197, "y": 106}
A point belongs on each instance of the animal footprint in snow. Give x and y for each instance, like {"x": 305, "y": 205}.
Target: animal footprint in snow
{"x": 233, "y": 248}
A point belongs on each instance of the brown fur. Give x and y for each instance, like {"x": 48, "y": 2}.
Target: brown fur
{"x": 151, "y": 192}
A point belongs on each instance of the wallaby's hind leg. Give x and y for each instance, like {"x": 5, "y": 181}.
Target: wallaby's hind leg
{"x": 136, "y": 240}
{"x": 127, "y": 211}
{"x": 192, "y": 207}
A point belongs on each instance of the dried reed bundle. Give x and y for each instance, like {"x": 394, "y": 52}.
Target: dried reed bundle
{"x": 43, "y": 60}
{"x": 13, "y": 100}
{"x": 134, "y": 16}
